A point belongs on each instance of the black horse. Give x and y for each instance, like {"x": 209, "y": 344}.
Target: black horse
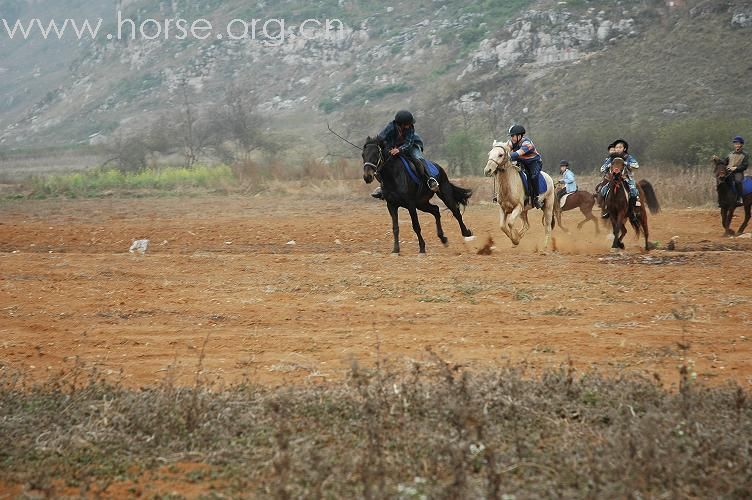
{"x": 727, "y": 199}
{"x": 401, "y": 191}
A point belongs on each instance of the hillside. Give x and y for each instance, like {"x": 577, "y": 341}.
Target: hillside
{"x": 558, "y": 67}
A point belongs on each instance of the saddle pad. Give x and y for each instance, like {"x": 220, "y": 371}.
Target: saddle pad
{"x": 747, "y": 186}
{"x": 432, "y": 169}
{"x": 563, "y": 200}
{"x": 541, "y": 182}
{"x": 409, "y": 170}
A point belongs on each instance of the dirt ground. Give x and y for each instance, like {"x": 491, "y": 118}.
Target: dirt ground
{"x": 296, "y": 289}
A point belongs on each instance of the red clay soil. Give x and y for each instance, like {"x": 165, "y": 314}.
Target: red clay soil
{"x": 293, "y": 289}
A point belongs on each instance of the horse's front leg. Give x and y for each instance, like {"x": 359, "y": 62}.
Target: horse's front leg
{"x": 434, "y": 210}
{"x": 513, "y": 234}
{"x": 395, "y": 226}
{"x": 622, "y": 235}
{"x": 727, "y": 222}
{"x": 416, "y": 228}
{"x": 503, "y": 222}
{"x": 616, "y": 226}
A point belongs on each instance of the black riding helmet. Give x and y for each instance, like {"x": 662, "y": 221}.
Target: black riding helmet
{"x": 516, "y": 130}
{"x": 404, "y": 117}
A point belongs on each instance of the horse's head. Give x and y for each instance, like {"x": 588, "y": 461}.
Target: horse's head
{"x": 615, "y": 174}
{"x": 617, "y": 168}
{"x": 498, "y": 159}
{"x": 719, "y": 169}
{"x": 373, "y": 159}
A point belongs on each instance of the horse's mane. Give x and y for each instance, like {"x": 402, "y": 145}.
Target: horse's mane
{"x": 372, "y": 140}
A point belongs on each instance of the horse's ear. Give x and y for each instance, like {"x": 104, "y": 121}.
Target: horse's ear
{"x": 497, "y": 144}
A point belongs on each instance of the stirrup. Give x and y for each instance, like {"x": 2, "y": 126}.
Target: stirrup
{"x": 378, "y": 194}
{"x": 433, "y": 184}
{"x": 604, "y": 215}
{"x": 638, "y": 203}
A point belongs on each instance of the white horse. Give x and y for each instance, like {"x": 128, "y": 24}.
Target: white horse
{"x": 510, "y": 194}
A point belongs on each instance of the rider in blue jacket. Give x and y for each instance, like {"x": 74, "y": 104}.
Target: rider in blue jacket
{"x": 621, "y": 150}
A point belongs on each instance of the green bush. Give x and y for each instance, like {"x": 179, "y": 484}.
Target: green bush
{"x": 98, "y": 182}
{"x": 693, "y": 141}
{"x": 465, "y": 152}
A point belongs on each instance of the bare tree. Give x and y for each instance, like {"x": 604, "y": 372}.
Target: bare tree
{"x": 240, "y": 122}
{"x": 197, "y": 134}
{"x": 127, "y": 152}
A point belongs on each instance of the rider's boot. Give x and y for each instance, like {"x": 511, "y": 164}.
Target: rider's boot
{"x": 378, "y": 194}
{"x": 534, "y": 197}
{"x": 739, "y": 191}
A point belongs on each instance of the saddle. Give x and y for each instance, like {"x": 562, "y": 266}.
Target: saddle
{"x": 414, "y": 171}
{"x": 541, "y": 185}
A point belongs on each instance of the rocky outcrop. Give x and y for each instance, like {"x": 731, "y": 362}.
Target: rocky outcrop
{"x": 542, "y": 38}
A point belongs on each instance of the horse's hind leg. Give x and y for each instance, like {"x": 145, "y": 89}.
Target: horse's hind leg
{"x": 525, "y": 225}
{"x": 416, "y": 228}
{"x": 446, "y": 196}
{"x": 395, "y": 226}
{"x": 747, "y": 214}
{"x": 434, "y": 210}
{"x": 644, "y": 224}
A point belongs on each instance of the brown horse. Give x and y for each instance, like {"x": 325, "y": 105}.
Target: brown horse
{"x": 579, "y": 199}
{"x": 617, "y": 204}
{"x": 727, "y": 198}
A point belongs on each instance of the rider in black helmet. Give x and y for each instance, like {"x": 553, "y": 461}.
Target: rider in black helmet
{"x": 400, "y": 138}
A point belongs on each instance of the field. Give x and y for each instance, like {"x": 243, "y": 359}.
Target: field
{"x": 227, "y": 267}
{"x": 298, "y": 288}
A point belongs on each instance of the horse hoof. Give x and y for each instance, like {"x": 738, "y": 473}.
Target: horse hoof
{"x": 444, "y": 241}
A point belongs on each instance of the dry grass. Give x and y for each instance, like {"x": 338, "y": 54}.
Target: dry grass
{"x": 433, "y": 431}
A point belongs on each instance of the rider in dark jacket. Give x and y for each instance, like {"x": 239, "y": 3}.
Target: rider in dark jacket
{"x": 736, "y": 163}
{"x": 400, "y": 137}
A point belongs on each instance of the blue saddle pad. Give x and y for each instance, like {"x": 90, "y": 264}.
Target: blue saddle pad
{"x": 432, "y": 169}
{"x": 747, "y": 186}
{"x": 409, "y": 170}
{"x": 541, "y": 182}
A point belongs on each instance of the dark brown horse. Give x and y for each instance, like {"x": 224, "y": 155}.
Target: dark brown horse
{"x": 617, "y": 205}
{"x": 579, "y": 199}
{"x": 727, "y": 198}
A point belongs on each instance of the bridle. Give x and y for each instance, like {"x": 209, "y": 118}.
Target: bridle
{"x": 377, "y": 166}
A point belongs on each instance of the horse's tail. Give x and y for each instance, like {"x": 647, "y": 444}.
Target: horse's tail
{"x": 461, "y": 195}
{"x": 650, "y": 198}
